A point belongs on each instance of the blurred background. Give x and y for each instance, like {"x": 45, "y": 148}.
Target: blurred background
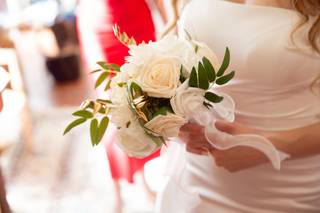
{"x": 41, "y": 170}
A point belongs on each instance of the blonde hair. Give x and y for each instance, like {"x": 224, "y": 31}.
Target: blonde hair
{"x": 307, "y": 8}
{"x": 310, "y": 9}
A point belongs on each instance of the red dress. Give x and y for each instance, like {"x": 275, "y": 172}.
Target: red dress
{"x": 98, "y": 17}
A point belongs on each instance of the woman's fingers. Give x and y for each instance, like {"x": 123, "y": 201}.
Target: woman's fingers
{"x": 225, "y": 127}
{"x": 189, "y": 127}
{"x": 198, "y": 151}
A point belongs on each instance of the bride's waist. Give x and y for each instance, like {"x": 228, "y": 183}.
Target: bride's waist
{"x": 276, "y": 122}
{"x": 294, "y": 173}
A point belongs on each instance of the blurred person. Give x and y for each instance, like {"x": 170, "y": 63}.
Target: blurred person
{"x": 98, "y": 42}
{"x": 275, "y": 50}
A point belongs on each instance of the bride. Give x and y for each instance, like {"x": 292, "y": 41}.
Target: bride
{"x": 275, "y": 50}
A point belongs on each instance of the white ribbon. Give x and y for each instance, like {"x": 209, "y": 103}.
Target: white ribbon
{"x": 223, "y": 141}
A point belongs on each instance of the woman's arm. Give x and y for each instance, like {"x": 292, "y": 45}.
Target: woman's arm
{"x": 298, "y": 143}
{"x": 162, "y": 11}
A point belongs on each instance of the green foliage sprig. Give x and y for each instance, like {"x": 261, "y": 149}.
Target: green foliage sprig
{"x": 205, "y": 77}
{"x": 90, "y": 112}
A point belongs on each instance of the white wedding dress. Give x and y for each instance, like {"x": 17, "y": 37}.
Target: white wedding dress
{"x": 272, "y": 92}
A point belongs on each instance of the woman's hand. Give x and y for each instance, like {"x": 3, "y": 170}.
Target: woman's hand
{"x": 298, "y": 143}
{"x": 241, "y": 157}
{"x": 234, "y": 159}
{"x": 196, "y": 142}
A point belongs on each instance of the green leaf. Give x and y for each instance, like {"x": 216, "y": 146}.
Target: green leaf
{"x": 97, "y": 70}
{"x": 83, "y": 113}
{"x": 107, "y": 85}
{"x": 104, "y": 101}
{"x": 101, "y": 78}
{"x": 74, "y": 124}
{"x": 135, "y": 90}
{"x": 193, "y": 81}
{"x": 207, "y": 105}
{"x": 196, "y": 49}
{"x": 225, "y": 79}
{"x": 122, "y": 84}
{"x": 94, "y": 131}
{"x": 212, "y": 97}
{"x": 106, "y": 66}
{"x": 203, "y": 78}
{"x": 162, "y": 111}
{"x": 188, "y": 35}
{"x": 211, "y": 73}
{"x": 102, "y": 127}
{"x": 225, "y": 63}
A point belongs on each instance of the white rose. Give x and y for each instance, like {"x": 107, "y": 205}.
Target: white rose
{"x": 188, "y": 100}
{"x": 166, "y": 125}
{"x": 160, "y": 77}
{"x": 135, "y": 142}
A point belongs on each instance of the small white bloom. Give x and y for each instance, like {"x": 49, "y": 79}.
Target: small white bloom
{"x": 188, "y": 101}
{"x": 121, "y": 115}
{"x": 180, "y": 48}
{"x": 166, "y": 125}
{"x": 135, "y": 142}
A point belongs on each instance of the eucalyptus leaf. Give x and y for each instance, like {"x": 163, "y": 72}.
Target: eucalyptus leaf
{"x": 102, "y": 127}
{"x": 83, "y": 113}
{"x": 193, "y": 81}
{"x": 101, "y": 79}
{"x": 94, "y": 131}
{"x": 225, "y": 63}
{"x": 225, "y": 79}
{"x": 211, "y": 73}
{"x": 203, "y": 78}
{"x": 74, "y": 124}
{"x": 212, "y": 97}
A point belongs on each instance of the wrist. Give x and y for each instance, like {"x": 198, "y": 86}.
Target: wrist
{"x": 278, "y": 139}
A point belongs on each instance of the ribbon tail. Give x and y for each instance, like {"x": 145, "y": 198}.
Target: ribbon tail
{"x": 223, "y": 141}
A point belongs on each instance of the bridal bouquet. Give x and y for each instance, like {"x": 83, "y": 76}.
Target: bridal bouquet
{"x": 162, "y": 86}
